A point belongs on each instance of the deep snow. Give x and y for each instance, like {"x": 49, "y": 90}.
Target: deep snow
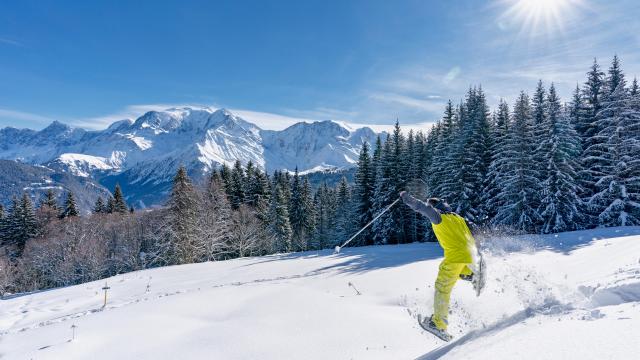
{"x": 573, "y": 295}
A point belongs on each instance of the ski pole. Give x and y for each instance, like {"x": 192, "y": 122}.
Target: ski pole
{"x": 338, "y": 248}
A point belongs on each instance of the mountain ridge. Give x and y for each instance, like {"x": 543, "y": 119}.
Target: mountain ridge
{"x": 149, "y": 149}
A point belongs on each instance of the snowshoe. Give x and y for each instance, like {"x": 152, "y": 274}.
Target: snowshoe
{"x": 479, "y": 278}
{"x": 430, "y": 326}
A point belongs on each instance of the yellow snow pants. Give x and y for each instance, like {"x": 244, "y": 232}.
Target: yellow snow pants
{"x": 448, "y": 274}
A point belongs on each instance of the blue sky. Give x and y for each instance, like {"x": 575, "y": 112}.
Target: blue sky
{"x": 366, "y": 62}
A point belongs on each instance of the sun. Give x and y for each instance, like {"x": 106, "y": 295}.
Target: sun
{"x": 537, "y": 17}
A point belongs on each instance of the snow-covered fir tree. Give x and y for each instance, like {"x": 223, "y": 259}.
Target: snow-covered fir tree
{"x": 49, "y": 200}
{"x": 363, "y": 193}
{"x": 560, "y": 206}
{"x": 588, "y": 130}
{"x": 490, "y": 199}
{"x": 475, "y": 156}
{"x": 344, "y": 223}
{"x": 520, "y": 182}
{"x": 235, "y": 186}
{"x": 384, "y": 229}
{"x": 119, "y": 203}
{"x": 279, "y": 224}
{"x": 301, "y": 215}
{"x": 617, "y": 200}
{"x": 99, "y": 207}
{"x": 325, "y": 212}
{"x": 70, "y": 208}
{"x": 20, "y": 225}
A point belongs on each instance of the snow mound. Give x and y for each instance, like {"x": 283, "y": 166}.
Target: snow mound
{"x": 576, "y": 295}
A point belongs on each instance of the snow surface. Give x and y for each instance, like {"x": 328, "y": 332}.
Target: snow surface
{"x": 84, "y": 165}
{"x": 568, "y": 296}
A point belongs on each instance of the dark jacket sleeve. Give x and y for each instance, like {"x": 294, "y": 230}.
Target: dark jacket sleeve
{"x": 420, "y": 206}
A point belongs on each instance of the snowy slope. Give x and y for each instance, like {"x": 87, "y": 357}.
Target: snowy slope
{"x": 575, "y": 295}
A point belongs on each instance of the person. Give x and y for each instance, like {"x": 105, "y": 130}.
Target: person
{"x": 461, "y": 257}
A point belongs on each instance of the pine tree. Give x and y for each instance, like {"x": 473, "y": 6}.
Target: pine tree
{"x": 119, "y": 203}
{"x": 99, "y": 207}
{"x": 397, "y": 182}
{"x": 225, "y": 174}
{"x": 592, "y": 93}
{"x": 384, "y": 228}
{"x": 309, "y": 223}
{"x": 560, "y": 207}
{"x": 183, "y": 207}
{"x": 111, "y": 205}
{"x": 577, "y": 113}
{"x": 588, "y": 131}
{"x": 257, "y": 193}
{"x": 476, "y": 155}
{"x": 279, "y": 220}
{"x": 48, "y": 209}
{"x": 520, "y": 182}
{"x": 364, "y": 193}
{"x": 539, "y": 113}
{"x": 344, "y": 213}
{"x": 49, "y": 200}
{"x": 301, "y": 212}
{"x": 414, "y": 168}
{"x": 236, "y": 185}
{"x": 616, "y": 200}
{"x": 615, "y": 77}
{"x": 633, "y": 91}
{"x": 9, "y": 225}
{"x": 499, "y": 164}
{"x": 325, "y": 210}
{"x": 20, "y": 225}
{"x": 599, "y": 157}
{"x": 70, "y": 207}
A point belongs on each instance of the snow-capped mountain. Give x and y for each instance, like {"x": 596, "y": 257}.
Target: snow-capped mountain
{"x": 145, "y": 153}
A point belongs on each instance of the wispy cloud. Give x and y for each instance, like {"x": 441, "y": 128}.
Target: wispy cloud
{"x": 426, "y": 104}
{"x": 269, "y": 121}
{"x": 9, "y": 41}
{"x": 130, "y": 112}
{"x": 18, "y": 118}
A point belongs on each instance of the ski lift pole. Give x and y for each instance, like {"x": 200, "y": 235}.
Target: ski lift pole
{"x": 105, "y": 288}
{"x": 338, "y": 248}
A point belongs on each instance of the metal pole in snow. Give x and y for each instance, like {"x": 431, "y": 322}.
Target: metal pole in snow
{"x": 105, "y": 288}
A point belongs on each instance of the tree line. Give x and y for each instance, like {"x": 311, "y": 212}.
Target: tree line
{"x": 542, "y": 166}
{"x": 238, "y": 211}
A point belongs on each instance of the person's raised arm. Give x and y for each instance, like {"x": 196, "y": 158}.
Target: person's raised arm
{"x": 420, "y": 206}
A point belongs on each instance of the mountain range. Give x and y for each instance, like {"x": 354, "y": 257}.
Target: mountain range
{"x": 144, "y": 154}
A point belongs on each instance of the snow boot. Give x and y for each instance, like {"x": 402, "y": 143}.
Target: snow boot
{"x": 466, "y": 277}
{"x": 431, "y": 327}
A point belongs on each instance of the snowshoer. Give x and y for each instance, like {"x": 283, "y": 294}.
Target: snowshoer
{"x": 461, "y": 258}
